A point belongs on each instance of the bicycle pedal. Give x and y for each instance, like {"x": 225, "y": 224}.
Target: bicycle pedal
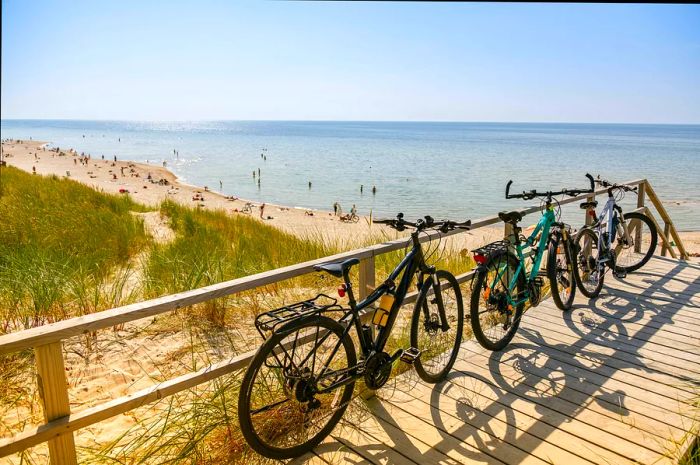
{"x": 410, "y": 355}
{"x": 538, "y": 281}
{"x": 619, "y": 273}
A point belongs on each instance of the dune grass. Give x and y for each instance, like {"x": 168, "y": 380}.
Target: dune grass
{"x": 61, "y": 243}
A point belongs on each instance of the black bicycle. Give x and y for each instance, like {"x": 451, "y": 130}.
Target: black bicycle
{"x": 301, "y": 379}
{"x": 614, "y": 241}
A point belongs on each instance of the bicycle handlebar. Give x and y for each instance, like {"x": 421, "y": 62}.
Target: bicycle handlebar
{"x": 606, "y": 183}
{"x": 422, "y": 224}
{"x": 528, "y": 195}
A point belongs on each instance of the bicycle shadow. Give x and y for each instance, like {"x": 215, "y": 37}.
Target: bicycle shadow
{"x": 478, "y": 412}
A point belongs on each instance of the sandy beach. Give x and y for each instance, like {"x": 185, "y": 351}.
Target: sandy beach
{"x": 151, "y": 184}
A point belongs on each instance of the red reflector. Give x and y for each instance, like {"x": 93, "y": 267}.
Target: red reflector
{"x": 480, "y": 259}
{"x": 341, "y": 290}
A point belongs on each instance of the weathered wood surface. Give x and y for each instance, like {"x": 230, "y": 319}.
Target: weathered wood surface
{"x": 611, "y": 381}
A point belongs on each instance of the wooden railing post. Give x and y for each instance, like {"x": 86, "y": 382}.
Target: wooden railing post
{"x": 53, "y": 390}
{"x": 507, "y": 230}
{"x": 640, "y": 203}
{"x": 589, "y": 220}
{"x": 665, "y": 246}
{"x": 367, "y": 277}
{"x": 366, "y": 285}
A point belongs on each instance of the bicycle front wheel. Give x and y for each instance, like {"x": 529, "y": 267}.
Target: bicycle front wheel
{"x": 439, "y": 346}
{"x": 632, "y": 254}
{"x": 589, "y": 273}
{"x": 494, "y": 319}
{"x": 560, "y": 271}
{"x": 290, "y": 398}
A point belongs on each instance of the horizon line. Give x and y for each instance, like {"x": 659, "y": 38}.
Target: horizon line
{"x": 351, "y": 121}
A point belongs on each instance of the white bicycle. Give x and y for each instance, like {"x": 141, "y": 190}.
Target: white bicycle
{"x": 615, "y": 241}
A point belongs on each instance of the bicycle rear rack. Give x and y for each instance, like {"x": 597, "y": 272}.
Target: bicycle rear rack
{"x": 274, "y": 319}
{"x": 492, "y": 248}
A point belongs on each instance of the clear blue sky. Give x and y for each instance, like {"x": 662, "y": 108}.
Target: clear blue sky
{"x": 173, "y": 60}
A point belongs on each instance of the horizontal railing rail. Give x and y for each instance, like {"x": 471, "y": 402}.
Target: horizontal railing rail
{"x": 48, "y": 339}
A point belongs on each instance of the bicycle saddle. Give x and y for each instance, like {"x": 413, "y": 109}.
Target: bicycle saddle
{"x": 510, "y": 217}
{"x": 589, "y": 205}
{"x": 337, "y": 269}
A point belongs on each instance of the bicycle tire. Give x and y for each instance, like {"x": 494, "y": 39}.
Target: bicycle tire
{"x": 478, "y": 299}
{"x": 249, "y": 430}
{"x": 555, "y": 272}
{"x": 647, "y": 253}
{"x": 583, "y": 264}
{"x": 456, "y": 321}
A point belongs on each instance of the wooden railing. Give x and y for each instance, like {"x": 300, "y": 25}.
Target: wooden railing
{"x": 47, "y": 340}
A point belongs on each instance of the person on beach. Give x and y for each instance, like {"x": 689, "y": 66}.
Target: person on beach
{"x": 362, "y": 187}
{"x": 253, "y": 174}
{"x": 374, "y": 190}
{"x": 115, "y": 158}
{"x": 335, "y": 208}
{"x": 221, "y": 185}
{"x": 309, "y": 185}
{"x": 262, "y": 209}
{"x": 353, "y": 211}
{"x": 258, "y": 172}
{"x": 258, "y": 183}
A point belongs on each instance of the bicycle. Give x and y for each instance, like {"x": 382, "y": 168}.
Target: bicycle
{"x": 301, "y": 379}
{"x": 595, "y": 252}
{"x": 502, "y": 285}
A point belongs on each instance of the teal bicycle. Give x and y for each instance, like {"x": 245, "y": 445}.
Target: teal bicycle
{"x": 503, "y": 285}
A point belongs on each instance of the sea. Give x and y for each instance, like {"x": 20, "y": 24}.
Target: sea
{"x": 442, "y": 169}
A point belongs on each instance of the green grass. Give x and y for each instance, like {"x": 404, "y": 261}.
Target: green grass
{"x": 61, "y": 242}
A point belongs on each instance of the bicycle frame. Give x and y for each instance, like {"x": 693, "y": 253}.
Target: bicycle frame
{"x": 411, "y": 264}
{"x": 611, "y": 211}
{"x": 544, "y": 226}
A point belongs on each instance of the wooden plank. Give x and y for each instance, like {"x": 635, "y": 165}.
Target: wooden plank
{"x": 563, "y": 382}
{"x": 623, "y": 361}
{"x": 53, "y": 391}
{"x": 542, "y": 432}
{"x": 396, "y": 430}
{"x": 366, "y": 278}
{"x": 664, "y": 247}
{"x": 587, "y": 318}
{"x": 632, "y": 346}
{"x": 447, "y": 431}
{"x": 537, "y": 396}
{"x": 641, "y": 189}
{"x": 651, "y": 388}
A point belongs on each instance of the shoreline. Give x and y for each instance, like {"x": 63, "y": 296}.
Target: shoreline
{"x": 130, "y": 177}
{"x": 125, "y": 176}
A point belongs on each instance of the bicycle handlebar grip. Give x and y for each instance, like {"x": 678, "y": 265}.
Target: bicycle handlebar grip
{"x": 508, "y": 189}
{"x": 590, "y": 178}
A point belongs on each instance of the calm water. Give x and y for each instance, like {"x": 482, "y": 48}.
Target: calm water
{"x": 453, "y": 170}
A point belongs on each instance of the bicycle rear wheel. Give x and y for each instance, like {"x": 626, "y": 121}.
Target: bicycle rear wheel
{"x": 589, "y": 273}
{"x": 494, "y": 321}
{"x": 560, "y": 271}
{"x": 285, "y": 406}
{"x": 635, "y": 253}
{"x": 439, "y": 348}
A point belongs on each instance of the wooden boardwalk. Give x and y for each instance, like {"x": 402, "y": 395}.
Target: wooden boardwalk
{"x": 611, "y": 381}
